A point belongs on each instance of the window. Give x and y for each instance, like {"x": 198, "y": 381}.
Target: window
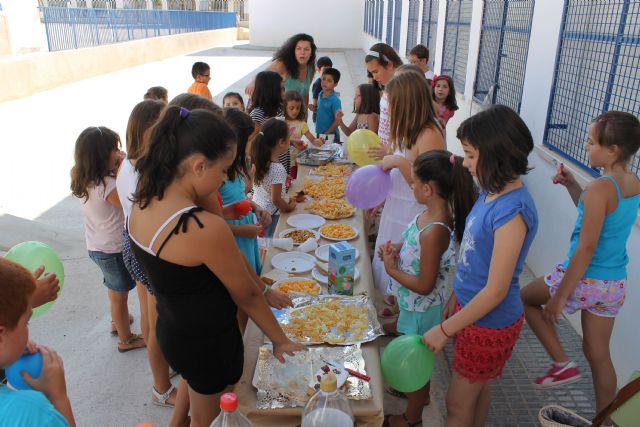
{"x": 456, "y": 41}
{"x": 397, "y": 21}
{"x": 412, "y": 29}
{"x": 430, "y": 26}
{"x": 389, "y": 21}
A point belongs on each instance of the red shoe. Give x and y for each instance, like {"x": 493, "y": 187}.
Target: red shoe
{"x": 557, "y": 376}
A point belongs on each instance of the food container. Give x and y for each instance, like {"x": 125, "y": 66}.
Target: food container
{"x": 342, "y": 264}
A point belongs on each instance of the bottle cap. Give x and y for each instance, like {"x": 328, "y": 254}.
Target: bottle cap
{"x": 329, "y": 383}
{"x": 229, "y": 402}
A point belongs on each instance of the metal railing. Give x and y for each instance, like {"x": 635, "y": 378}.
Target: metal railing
{"x": 456, "y": 41}
{"x": 504, "y": 45}
{"x": 596, "y": 71}
{"x": 72, "y": 28}
{"x": 430, "y": 26}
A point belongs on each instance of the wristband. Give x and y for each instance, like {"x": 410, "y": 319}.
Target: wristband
{"x": 266, "y": 289}
{"x": 443, "y": 331}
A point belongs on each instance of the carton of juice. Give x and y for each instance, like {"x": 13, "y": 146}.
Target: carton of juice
{"x": 342, "y": 265}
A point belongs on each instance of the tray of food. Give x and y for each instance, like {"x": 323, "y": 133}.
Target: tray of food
{"x": 331, "y": 208}
{"x": 327, "y": 188}
{"x": 316, "y": 157}
{"x": 331, "y": 319}
{"x": 338, "y": 232}
{"x": 290, "y": 384}
{"x": 295, "y": 286}
{"x": 332, "y": 170}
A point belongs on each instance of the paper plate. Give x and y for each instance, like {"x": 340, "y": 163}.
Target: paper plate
{"x": 340, "y": 239}
{"x": 320, "y": 277}
{"x": 293, "y": 262}
{"x": 322, "y": 253}
{"x": 283, "y": 234}
{"x": 306, "y": 221}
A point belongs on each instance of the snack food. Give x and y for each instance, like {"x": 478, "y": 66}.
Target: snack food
{"x": 299, "y": 236}
{"x": 331, "y": 208}
{"x": 328, "y": 188}
{"x": 338, "y": 231}
{"x": 306, "y": 286}
{"x": 333, "y": 170}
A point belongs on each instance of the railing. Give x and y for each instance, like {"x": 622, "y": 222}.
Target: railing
{"x": 596, "y": 71}
{"x": 456, "y": 41}
{"x": 72, "y": 28}
{"x": 430, "y": 26}
{"x": 504, "y": 44}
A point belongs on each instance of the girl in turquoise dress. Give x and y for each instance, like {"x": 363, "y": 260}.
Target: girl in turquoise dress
{"x": 246, "y": 229}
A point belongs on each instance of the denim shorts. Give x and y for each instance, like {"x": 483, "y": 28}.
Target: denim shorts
{"x": 268, "y": 232}
{"x": 116, "y": 276}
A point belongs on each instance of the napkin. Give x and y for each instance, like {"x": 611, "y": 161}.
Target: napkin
{"x": 308, "y": 246}
{"x": 283, "y": 243}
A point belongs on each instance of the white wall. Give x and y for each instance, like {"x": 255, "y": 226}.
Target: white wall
{"x": 26, "y": 33}
{"x": 332, "y": 23}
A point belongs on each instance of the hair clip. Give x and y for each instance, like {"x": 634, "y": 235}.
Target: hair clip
{"x": 452, "y": 159}
{"x": 184, "y": 113}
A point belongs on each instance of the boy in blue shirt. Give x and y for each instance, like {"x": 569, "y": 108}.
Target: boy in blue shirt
{"x": 322, "y": 63}
{"x": 48, "y": 403}
{"x": 328, "y": 105}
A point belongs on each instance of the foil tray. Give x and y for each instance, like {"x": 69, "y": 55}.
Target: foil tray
{"x": 315, "y": 157}
{"x": 285, "y": 385}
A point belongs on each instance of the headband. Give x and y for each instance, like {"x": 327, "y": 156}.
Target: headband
{"x": 377, "y": 55}
{"x": 184, "y": 113}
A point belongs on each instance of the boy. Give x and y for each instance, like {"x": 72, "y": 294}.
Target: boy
{"x": 328, "y": 105}
{"x": 47, "y": 404}
{"x": 322, "y": 63}
{"x": 201, "y": 73}
{"x": 419, "y": 56}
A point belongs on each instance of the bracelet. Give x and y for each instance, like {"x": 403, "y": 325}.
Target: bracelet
{"x": 266, "y": 289}
{"x": 443, "y": 331}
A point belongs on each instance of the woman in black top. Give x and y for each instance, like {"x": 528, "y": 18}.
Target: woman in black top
{"x": 191, "y": 259}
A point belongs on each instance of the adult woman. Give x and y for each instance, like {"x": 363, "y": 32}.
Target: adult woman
{"x": 294, "y": 61}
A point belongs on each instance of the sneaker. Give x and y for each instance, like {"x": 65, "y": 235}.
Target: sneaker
{"x": 557, "y": 376}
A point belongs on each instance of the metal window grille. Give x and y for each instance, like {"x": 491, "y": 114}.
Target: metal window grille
{"x": 365, "y": 25}
{"x": 430, "y": 26}
{"x": 504, "y": 44}
{"x": 389, "y": 21}
{"x": 380, "y": 19}
{"x": 456, "y": 41}
{"x": 370, "y": 16}
{"x": 597, "y": 70}
{"x": 397, "y": 20}
{"x": 412, "y": 29}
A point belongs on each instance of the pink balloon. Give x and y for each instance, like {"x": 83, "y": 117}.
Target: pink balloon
{"x": 368, "y": 187}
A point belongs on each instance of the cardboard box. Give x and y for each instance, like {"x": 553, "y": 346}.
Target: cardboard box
{"x": 342, "y": 265}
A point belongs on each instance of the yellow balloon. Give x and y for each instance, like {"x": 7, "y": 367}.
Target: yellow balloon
{"x": 359, "y": 143}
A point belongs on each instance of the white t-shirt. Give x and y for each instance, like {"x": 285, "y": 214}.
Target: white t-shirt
{"x": 126, "y": 183}
{"x": 429, "y": 75}
{"x": 262, "y": 192}
{"x": 383, "y": 125}
{"x": 103, "y": 222}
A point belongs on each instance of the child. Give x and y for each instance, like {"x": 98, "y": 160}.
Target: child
{"x": 322, "y": 63}
{"x": 93, "y": 180}
{"x": 328, "y": 106}
{"x": 414, "y": 129}
{"x": 420, "y": 264}
{"x": 485, "y": 312}
{"x": 269, "y": 180}
{"x": 366, "y": 105}
{"x": 157, "y": 93}
{"x": 197, "y": 270}
{"x": 233, "y": 100}
{"x": 266, "y": 102}
{"x": 201, "y": 73}
{"x": 296, "y": 119}
{"x": 246, "y": 230}
{"x": 419, "y": 55}
{"x": 444, "y": 94}
{"x": 593, "y": 278}
{"x": 48, "y": 403}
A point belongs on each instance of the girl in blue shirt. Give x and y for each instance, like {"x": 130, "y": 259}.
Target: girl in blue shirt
{"x": 485, "y": 313}
{"x": 593, "y": 278}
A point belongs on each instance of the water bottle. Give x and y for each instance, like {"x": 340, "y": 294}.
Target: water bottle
{"x": 328, "y": 407}
{"x": 230, "y": 416}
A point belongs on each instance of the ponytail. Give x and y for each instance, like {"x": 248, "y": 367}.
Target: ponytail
{"x": 453, "y": 181}
{"x": 177, "y": 135}
{"x": 272, "y": 131}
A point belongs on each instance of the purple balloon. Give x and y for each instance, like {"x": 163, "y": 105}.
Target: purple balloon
{"x": 368, "y": 187}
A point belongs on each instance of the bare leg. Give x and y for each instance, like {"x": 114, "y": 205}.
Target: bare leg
{"x": 462, "y": 401}
{"x": 595, "y": 344}
{"x": 144, "y": 318}
{"x": 180, "y": 415}
{"x": 157, "y": 362}
{"x": 416, "y": 403}
{"x": 534, "y": 296}
{"x": 204, "y": 408}
{"x": 482, "y": 407}
{"x": 120, "y": 313}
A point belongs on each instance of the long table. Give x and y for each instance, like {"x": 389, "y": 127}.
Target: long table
{"x": 368, "y": 413}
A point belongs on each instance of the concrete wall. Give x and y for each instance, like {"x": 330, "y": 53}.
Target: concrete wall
{"x": 23, "y": 25}
{"x": 332, "y": 23}
{"x": 32, "y": 73}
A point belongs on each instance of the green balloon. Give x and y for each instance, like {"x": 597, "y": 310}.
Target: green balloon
{"x": 32, "y": 255}
{"x": 407, "y": 363}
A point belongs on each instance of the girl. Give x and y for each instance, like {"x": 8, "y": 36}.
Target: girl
{"x": 593, "y": 278}
{"x": 420, "y": 264}
{"x": 143, "y": 116}
{"x": 366, "y": 106}
{"x": 233, "y": 100}
{"x": 266, "y": 102}
{"x": 93, "y": 180}
{"x": 197, "y": 271}
{"x": 269, "y": 180}
{"x": 444, "y": 94}
{"x": 296, "y": 119}
{"x": 497, "y": 236}
{"x": 414, "y": 129}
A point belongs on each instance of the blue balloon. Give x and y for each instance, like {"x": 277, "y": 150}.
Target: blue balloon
{"x": 31, "y": 363}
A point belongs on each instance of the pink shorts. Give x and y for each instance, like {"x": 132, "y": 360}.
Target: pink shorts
{"x": 600, "y": 297}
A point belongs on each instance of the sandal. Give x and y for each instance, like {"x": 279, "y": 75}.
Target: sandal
{"x": 387, "y": 423}
{"x": 395, "y": 393}
{"x": 161, "y": 399}
{"x": 114, "y": 331}
{"x": 134, "y": 342}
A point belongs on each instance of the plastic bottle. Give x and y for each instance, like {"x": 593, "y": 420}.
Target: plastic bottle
{"x": 328, "y": 407}
{"x": 230, "y": 416}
